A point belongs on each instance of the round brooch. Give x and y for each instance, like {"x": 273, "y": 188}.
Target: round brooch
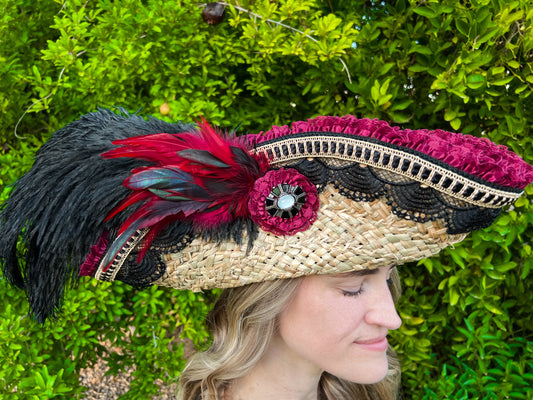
{"x": 283, "y": 202}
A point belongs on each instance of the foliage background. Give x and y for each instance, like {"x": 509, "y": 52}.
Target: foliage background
{"x": 456, "y": 65}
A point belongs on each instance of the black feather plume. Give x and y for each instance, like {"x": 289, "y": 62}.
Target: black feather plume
{"x": 58, "y": 208}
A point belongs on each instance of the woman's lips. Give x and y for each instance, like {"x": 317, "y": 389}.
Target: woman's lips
{"x": 375, "y": 344}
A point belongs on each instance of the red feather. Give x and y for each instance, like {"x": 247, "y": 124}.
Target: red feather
{"x": 202, "y": 177}
{"x": 131, "y": 199}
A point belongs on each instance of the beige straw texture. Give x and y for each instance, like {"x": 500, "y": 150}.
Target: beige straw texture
{"x": 346, "y": 236}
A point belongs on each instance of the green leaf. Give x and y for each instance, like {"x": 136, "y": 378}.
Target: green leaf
{"x": 425, "y": 12}
{"x": 449, "y": 114}
{"x": 454, "y": 296}
{"x": 39, "y": 380}
{"x": 401, "y": 104}
{"x": 493, "y": 308}
{"x": 417, "y": 68}
{"x": 462, "y": 26}
{"x": 374, "y": 92}
{"x": 421, "y": 50}
{"x": 502, "y": 82}
{"x": 455, "y": 123}
{"x": 400, "y": 118}
{"x": 521, "y": 89}
{"x": 36, "y": 73}
{"x": 505, "y": 267}
{"x": 475, "y": 81}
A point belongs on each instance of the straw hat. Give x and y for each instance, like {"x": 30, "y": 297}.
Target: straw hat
{"x": 193, "y": 209}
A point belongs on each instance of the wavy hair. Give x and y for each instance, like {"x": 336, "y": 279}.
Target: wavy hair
{"x": 243, "y": 321}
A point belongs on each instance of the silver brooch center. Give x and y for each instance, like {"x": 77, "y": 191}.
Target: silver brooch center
{"x": 285, "y": 201}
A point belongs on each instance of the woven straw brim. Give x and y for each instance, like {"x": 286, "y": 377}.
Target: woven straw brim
{"x": 346, "y": 236}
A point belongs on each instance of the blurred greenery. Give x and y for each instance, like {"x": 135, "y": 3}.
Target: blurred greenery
{"x": 455, "y": 65}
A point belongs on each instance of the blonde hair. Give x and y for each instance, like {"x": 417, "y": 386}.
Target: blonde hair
{"x": 243, "y": 321}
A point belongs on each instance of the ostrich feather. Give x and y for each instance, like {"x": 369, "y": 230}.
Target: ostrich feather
{"x": 58, "y": 208}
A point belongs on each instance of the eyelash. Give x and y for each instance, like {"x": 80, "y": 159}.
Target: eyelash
{"x": 352, "y": 294}
{"x": 360, "y": 291}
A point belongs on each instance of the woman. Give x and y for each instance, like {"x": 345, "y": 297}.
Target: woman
{"x": 335, "y": 203}
{"x": 275, "y": 329}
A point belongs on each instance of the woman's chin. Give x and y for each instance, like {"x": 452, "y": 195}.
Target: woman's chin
{"x": 372, "y": 372}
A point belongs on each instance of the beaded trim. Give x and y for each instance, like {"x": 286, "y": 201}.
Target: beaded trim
{"x": 111, "y": 272}
{"x": 406, "y": 162}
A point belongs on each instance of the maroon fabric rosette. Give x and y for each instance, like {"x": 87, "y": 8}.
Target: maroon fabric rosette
{"x": 283, "y": 202}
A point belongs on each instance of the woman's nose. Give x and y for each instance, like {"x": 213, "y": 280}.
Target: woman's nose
{"x": 383, "y": 311}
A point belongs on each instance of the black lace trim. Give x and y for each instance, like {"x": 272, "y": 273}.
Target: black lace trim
{"x": 143, "y": 274}
{"x": 407, "y": 198}
{"x": 172, "y": 240}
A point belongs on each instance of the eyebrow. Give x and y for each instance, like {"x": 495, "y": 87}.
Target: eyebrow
{"x": 360, "y": 272}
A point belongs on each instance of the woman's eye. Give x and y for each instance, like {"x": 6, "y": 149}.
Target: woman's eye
{"x": 390, "y": 281}
{"x": 352, "y": 293}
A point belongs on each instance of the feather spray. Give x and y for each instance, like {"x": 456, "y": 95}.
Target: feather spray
{"x": 201, "y": 177}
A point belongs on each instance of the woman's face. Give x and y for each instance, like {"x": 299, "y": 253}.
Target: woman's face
{"x": 339, "y": 323}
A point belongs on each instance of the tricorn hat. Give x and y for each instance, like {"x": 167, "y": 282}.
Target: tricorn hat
{"x": 147, "y": 202}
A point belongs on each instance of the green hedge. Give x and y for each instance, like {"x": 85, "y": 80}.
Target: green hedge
{"x": 455, "y": 65}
